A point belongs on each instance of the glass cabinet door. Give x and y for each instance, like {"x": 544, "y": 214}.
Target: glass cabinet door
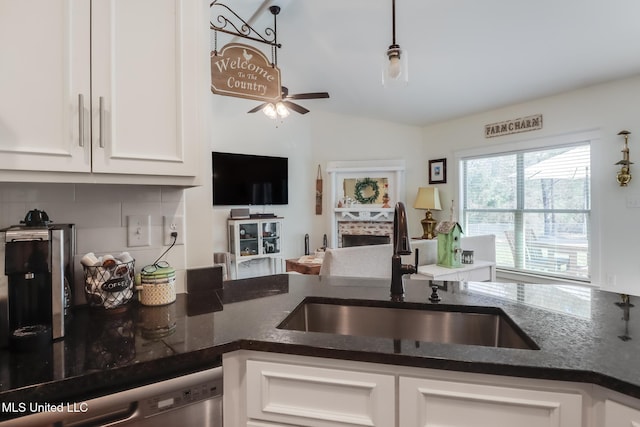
{"x": 271, "y": 237}
{"x": 248, "y": 239}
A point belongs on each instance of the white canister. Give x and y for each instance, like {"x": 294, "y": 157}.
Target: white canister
{"x": 157, "y": 287}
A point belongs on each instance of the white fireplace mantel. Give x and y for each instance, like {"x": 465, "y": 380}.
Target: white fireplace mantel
{"x": 338, "y": 171}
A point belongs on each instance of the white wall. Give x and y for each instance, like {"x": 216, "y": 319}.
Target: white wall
{"x": 336, "y": 137}
{"x": 308, "y": 141}
{"x": 607, "y": 109}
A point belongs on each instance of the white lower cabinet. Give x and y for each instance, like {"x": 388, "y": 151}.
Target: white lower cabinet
{"x": 430, "y": 403}
{"x": 318, "y": 397}
{"x": 268, "y": 389}
{"x": 620, "y": 415}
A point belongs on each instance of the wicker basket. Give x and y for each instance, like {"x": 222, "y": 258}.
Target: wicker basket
{"x": 109, "y": 287}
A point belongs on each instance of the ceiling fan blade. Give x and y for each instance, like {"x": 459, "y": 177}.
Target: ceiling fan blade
{"x": 258, "y": 108}
{"x": 311, "y": 95}
{"x": 295, "y": 107}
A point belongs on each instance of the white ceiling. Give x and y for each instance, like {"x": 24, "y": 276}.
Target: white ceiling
{"x": 465, "y": 56}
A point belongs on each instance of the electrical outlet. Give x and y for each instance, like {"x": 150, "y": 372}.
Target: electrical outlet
{"x": 138, "y": 230}
{"x": 173, "y": 224}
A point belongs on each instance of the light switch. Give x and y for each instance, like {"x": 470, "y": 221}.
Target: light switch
{"x": 138, "y": 230}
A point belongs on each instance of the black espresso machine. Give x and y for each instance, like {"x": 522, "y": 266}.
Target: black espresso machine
{"x": 38, "y": 268}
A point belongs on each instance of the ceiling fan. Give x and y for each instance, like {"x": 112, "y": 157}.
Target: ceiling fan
{"x": 282, "y": 107}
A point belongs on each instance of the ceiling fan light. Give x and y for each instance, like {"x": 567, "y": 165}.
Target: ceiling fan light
{"x": 282, "y": 110}
{"x": 270, "y": 111}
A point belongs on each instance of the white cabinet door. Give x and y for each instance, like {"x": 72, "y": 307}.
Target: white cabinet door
{"x": 103, "y": 86}
{"x": 44, "y": 67}
{"x": 431, "y": 403}
{"x": 318, "y": 397}
{"x": 145, "y": 87}
{"x": 619, "y": 415}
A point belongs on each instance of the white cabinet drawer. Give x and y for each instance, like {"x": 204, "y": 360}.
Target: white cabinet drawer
{"x": 619, "y": 415}
{"x": 318, "y": 397}
{"x": 431, "y": 403}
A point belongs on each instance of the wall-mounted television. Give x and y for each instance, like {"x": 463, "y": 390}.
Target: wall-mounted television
{"x": 247, "y": 179}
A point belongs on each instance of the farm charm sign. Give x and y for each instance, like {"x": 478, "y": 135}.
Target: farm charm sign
{"x": 523, "y": 124}
{"x": 243, "y": 71}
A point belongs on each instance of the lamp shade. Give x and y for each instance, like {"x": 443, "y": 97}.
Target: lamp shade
{"x": 428, "y": 198}
{"x": 395, "y": 67}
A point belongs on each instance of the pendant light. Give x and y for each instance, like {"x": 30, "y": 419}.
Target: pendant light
{"x": 395, "y": 69}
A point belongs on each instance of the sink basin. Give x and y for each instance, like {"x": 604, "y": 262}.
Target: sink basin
{"x": 485, "y": 326}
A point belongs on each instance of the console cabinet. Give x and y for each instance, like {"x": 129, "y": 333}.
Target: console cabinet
{"x": 251, "y": 239}
{"x": 102, "y": 87}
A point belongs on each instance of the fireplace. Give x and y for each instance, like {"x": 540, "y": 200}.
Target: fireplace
{"x": 352, "y": 216}
{"x": 360, "y": 233}
{"x": 363, "y": 240}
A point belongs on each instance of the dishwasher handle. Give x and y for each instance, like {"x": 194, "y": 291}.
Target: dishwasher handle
{"x": 109, "y": 418}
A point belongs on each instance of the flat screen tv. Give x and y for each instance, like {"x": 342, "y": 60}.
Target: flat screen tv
{"x": 246, "y": 179}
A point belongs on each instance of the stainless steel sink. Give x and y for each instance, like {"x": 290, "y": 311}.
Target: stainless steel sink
{"x": 485, "y": 326}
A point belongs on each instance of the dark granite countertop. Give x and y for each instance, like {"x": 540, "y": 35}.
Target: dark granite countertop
{"x": 582, "y": 334}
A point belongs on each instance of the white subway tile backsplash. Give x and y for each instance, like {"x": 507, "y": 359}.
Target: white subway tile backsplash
{"x": 12, "y": 213}
{"x": 154, "y": 210}
{"x": 99, "y": 213}
{"x": 104, "y": 214}
{"x": 171, "y": 194}
{"x": 101, "y": 240}
{"x": 122, "y": 193}
{"x": 35, "y": 193}
{"x": 171, "y": 209}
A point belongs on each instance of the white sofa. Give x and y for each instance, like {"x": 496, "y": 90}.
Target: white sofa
{"x": 375, "y": 260}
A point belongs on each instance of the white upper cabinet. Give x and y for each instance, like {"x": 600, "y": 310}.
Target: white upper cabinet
{"x": 109, "y": 87}
{"x": 143, "y": 59}
{"x": 45, "y": 51}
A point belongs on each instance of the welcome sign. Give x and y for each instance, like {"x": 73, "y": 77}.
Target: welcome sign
{"x": 242, "y": 71}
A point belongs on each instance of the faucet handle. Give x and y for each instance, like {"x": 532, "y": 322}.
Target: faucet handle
{"x": 416, "y": 264}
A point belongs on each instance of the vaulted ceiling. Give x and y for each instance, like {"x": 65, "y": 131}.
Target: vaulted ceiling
{"x": 465, "y": 56}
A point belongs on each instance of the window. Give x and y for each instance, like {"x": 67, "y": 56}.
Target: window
{"x": 537, "y": 203}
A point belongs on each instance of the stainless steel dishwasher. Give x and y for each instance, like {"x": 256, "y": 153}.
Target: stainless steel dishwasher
{"x": 189, "y": 400}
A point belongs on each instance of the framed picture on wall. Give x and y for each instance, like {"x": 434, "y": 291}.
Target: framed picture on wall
{"x": 438, "y": 171}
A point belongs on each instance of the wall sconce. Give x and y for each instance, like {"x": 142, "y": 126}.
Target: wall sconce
{"x": 624, "y": 175}
{"x": 428, "y": 198}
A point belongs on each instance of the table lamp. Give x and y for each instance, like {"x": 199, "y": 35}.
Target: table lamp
{"x": 428, "y": 198}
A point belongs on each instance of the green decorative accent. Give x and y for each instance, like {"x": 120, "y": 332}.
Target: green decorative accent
{"x": 362, "y": 185}
{"x": 449, "y": 252}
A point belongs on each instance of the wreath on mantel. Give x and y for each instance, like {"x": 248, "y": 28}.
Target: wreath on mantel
{"x": 362, "y": 185}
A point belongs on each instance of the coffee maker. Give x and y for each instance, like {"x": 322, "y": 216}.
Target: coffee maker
{"x": 36, "y": 295}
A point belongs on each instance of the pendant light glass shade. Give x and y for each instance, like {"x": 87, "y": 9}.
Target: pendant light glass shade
{"x": 395, "y": 67}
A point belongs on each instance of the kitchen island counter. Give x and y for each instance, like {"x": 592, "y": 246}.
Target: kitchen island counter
{"x": 582, "y": 334}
